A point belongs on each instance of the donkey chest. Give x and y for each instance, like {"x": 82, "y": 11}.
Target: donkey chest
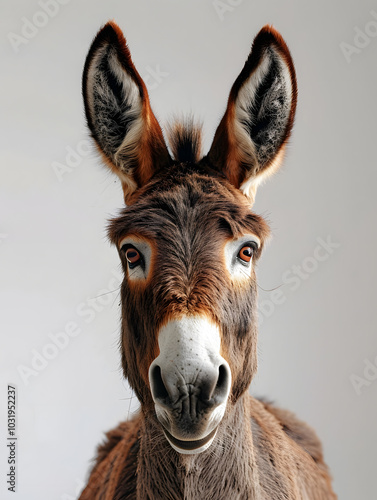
{"x": 212, "y": 487}
{"x": 221, "y": 486}
{"x": 216, "y": 478}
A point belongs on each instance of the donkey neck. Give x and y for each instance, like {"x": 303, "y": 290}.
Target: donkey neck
{"x": 226, "y": 470}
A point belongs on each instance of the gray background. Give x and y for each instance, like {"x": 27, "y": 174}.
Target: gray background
{"x": 316, "y": 336}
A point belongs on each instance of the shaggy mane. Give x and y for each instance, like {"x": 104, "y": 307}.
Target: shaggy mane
{"x": 185, "y": 140}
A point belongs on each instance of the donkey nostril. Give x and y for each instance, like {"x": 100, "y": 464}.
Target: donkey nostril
{"x": 222, "y": 376}
{"x": 158, "y": 387}
{"x": 222, "y": 385}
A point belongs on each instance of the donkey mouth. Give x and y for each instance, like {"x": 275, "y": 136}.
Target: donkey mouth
{"x": 191, "y": 446}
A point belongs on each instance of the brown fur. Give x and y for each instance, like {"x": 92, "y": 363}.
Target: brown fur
{"x": 286, "y": 462}
{"x": 187, "y": 209}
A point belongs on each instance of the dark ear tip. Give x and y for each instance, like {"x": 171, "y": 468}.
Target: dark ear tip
{"x": 109, "y": 33}
{"x": 269, "y": 35}
{"x": 268, "y": 28}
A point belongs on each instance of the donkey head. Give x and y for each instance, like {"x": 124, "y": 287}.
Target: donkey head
{"x": 187, "y": 239}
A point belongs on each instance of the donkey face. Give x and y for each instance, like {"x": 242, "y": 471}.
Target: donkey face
{"x": 187, "y": 239}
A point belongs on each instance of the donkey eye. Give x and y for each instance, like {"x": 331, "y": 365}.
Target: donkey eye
{"x": 133, "y": 257}
{"x": 246, "y": 253}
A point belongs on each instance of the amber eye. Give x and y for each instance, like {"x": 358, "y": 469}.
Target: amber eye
{"x": 246, "y": 253}
{"x": 133, "y": 257}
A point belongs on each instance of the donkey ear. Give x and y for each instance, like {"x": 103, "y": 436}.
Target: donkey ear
{"x": 249, "y": 142}
{"x": 118, "y": 112}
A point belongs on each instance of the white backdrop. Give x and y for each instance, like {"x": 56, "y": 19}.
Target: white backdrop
{"x": 317, "y": 345}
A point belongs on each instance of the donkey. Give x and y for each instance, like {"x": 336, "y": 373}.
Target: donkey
{"x": 188, "y": 243}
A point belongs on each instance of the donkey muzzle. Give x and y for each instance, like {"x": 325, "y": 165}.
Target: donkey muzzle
{"x": 190, "y": 383}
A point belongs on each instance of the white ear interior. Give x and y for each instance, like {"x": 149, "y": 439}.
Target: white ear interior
{"x": 105, "y": 107}
{"x": 265, "y": 156}
{"x": 243, "y": 105}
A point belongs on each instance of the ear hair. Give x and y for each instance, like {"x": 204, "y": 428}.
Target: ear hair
{"x": 118, "y": 111}
{"x": 249, "y": 143}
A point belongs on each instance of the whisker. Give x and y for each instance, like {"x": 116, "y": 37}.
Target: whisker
{"x": 129, "y": 405}
{"x": 107, "y": 293}
{"x": 259, "y": 286}
{"x": 272, "y": 289}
